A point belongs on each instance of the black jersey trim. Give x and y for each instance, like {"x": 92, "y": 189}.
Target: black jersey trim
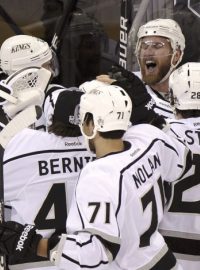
{"x": 148, "y": 148}
{"x": 45, "y": 151}
{"x": 112, "y": 247}
{"x": 84, "y": 265}
{"x": 82, "y": 243}
{"x": 136, "y": 160}
{"x": 49, "y": 92}
{"x": 162, "y": 109}
{"x": 167, "y": 262}
{"x": 183, "y": 245}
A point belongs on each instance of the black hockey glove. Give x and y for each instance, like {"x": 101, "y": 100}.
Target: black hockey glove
{"x": 17, "y": 239}
{"x": 142, "y": 102}
{"x": 52, "y": 243}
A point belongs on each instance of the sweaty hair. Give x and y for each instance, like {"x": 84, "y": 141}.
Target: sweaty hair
{"x": 63, "y": 130}
{"x": 188, "y": 113}
{"x": 114, "y": 134}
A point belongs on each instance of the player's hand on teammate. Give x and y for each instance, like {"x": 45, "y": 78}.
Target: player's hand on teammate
{"x": 142, "y": 102}
{"x": 17, "y": 239}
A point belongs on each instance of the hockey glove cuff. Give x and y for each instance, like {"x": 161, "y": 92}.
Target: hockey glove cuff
{"x": 17, "y": 239}
{"x": 52, "y": 245}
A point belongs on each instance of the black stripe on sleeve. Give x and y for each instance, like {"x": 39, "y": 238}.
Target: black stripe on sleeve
{"x": 112, "y": 247}
{"x": 183, "y": 245}
{"x": 83, "y": 265}
{"x": 167, "y": 262}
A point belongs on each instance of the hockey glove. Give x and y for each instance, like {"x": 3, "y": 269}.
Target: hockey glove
{"x": 52, "y": 245}
{"x": 17, "y": 239}
{"x": 142, "y": 103}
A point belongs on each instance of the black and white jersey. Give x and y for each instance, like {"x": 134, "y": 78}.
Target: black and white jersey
{"x": 40, "y": 174}
{"x": 3, "y": 119}
{"x": 118, "y": 204}
{"x": 181, "y": 223}
{"x": 160, "y": 105}
{"x": 42, "y": 123}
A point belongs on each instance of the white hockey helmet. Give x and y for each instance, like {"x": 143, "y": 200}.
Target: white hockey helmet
{"x": 184, "y": 85}
{"x": 110, "y": 106}
{"x": 167, "y": 28}
{"x": 91, "y": 85}
{"x": 23, "y": 51}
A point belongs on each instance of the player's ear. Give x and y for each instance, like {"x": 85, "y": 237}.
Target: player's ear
{"x": 91, "y": 127}
{"x": 88, "y": 124}
{"x": 176, "y": 57}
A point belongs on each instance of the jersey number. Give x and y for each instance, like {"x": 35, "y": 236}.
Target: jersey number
{"x": 56, "y": 198}
{"x": 97, "y": 206}
{"x": 178, "y": 205}
{"x": 148, "y": 198}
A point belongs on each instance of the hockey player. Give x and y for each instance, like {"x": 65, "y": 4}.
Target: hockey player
{"x": 22, "y": 51}
{"x": 41, "y": 170}
{"x": 159, "y": 49}
{"x": 181, "y": 223}
{"x": 119, "y": 197}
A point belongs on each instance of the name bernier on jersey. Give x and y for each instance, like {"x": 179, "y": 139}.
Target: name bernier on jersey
{"x": 62, "y": 165}
{"x": 144, "y": 172}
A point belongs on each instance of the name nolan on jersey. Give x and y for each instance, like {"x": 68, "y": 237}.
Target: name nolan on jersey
{"x": 145, "y": 171}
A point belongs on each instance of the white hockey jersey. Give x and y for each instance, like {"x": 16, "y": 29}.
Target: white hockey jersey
{"x": 181, "y": 223}
{"x": 42, "y": 123}
{"x": 161, "y": 106}
{"x": 118, "y": 204}
{"x": 40, "y": 174}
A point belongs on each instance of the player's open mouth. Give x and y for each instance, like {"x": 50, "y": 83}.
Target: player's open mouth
{"x": 150, "y": 65}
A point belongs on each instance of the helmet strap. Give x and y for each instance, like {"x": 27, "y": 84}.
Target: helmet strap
{"x": 86, "y": 136}
{"x": 172, "y": 67}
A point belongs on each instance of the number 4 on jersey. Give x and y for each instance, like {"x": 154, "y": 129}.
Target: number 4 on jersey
{"x": 56, "y": 198}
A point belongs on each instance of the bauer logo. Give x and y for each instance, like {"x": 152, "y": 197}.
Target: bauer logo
{"x": 20, "y": 47}
{"x": 23, "y": 237}
{"x": 123, "y": 42}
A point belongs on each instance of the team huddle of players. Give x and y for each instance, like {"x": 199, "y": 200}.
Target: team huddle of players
{"x": 108, "y": 177}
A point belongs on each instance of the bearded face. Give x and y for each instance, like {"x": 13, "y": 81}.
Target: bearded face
{"x": 154, "y": 57}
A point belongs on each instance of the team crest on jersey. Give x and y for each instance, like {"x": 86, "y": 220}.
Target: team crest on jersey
{"x": 75, "y": 119}
{"x": 95, "y": 91}
{"x": 20, "y": 47}
{"x": 150, "y": 104}
{"x": 100, "y": 122}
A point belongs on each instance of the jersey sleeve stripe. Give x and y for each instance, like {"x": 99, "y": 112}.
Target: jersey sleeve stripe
{"x": 148, "y": 149}
{"x": 82, "y": 243}
{"x": 183, "y": 245}
{"x": 45, "y": 151}
{"x": 164, "y": 260}
{"x": 82, "y": 265}
{"x": 112, "y": 244}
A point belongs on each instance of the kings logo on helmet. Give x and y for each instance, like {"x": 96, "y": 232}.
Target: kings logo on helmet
{"x": 20, "y": 47}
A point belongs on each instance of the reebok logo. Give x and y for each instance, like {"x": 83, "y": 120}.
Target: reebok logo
{"x": 23, "y": 237}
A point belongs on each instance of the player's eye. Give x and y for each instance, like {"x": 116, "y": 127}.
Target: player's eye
{"x": 153, "y": 44}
